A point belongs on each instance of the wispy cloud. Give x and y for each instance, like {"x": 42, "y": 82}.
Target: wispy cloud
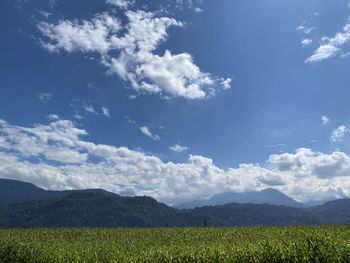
{"x": 53, "y": 117}
{"x": 226, "y": 83}
{"x": 90, "y": 109}
{"x": 306, "y": 42}
{"x": 306, "y": 28}
{"x": 178, "y": 148}
{"x": 129, "y": 120}
{"x": 44, "y": 97}
{"x": 325, "y": 120}
{"x": 105, "y": 112}
{"x": 146, "y": 131}
{"x": 339, "y": 133}
{"x": 331, "y": 47}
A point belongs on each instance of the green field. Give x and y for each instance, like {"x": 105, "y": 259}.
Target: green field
{"x": 297, "y": 244}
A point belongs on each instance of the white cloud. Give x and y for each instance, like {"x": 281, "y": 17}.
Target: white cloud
{"x": 323, "y": 52}
{"x": 331, "y": 47}
{"x": 307, "y": 163}
{"x": 44, "y": 97}
{"x": 35, "y": 141}
{"x": 198, "y": 10}
{"x": 178, "y": 148}
{"x": 306, "y": 28}
{"x": 78, "y": 116}
{"x": 226, "y": 83}
{"x": 345, "y": 55}
{"x": 339, "y": 133}
{"x": 168, "y": 74}
{"x": 53, "y": 117}
{"x": 120, "y": 3}
{"x": 105, "y": 112}
{"x": 45, "y": 14}
{"x": 325, "y": 120}
{"x": 147, "y": 132}
{"x": 90, "y": 109}
{"x": 191, "y": 4}
{"x": 97, "y": 35}
{"x": 306, "y": 42}
{"x": 55, "y": 156}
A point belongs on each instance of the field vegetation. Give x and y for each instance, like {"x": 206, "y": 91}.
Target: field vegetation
{"x": 293, "y": 244}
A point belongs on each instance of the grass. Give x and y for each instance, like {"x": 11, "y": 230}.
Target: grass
{"x": 295, "y": 244}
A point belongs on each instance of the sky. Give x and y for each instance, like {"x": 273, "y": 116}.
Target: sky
{"x": 177, "y": 99}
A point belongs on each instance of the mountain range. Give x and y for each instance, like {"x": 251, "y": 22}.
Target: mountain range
{"x": 25, "y": 205}
{"x": 266, "y": 196}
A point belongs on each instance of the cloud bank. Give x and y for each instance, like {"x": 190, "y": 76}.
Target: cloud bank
{"x": 57, "y": 156}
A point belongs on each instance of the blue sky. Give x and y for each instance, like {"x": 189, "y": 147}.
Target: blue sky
{"x": 177, "y": 99}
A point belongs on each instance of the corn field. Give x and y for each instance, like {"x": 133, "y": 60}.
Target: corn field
{"x": 294, "y": 244}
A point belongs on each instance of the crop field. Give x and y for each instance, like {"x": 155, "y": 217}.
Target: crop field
{"x": 295, "y": 244}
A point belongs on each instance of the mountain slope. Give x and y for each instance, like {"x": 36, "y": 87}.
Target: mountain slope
{"x": 93, "y": 209}
{"x": 98, "y": 208}
{"x": 267, "y": 196}
{"x": 89, "y": 208}
{"x": 12, "y": 191}
{"x": 334, "y": 212}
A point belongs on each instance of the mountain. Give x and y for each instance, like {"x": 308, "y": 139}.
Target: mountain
{"x": 98, "y": 208}
{"x": 333, "y": 212}
{"x": 267, "y": 196}
{"x": 14, "y": 191}
{"x": 93, "y": 209}
{"x": 311, "y": 203}
{"x": 87, "y": 209}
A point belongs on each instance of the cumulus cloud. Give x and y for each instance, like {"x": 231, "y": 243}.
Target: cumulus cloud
{"x": 331, "y": 47}
{"x": 178, "y": 148}
{"x": 339, "y": 133}
{"x": 147, "y": 132}
{"x": 129, "y": 51}
{"x": 56, "y": 156}
{"x": 97, "y": 35}
{"x": 325, "y": 120}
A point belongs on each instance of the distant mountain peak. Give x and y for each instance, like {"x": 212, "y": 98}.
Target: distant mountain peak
{"x": 266, "y": 196}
